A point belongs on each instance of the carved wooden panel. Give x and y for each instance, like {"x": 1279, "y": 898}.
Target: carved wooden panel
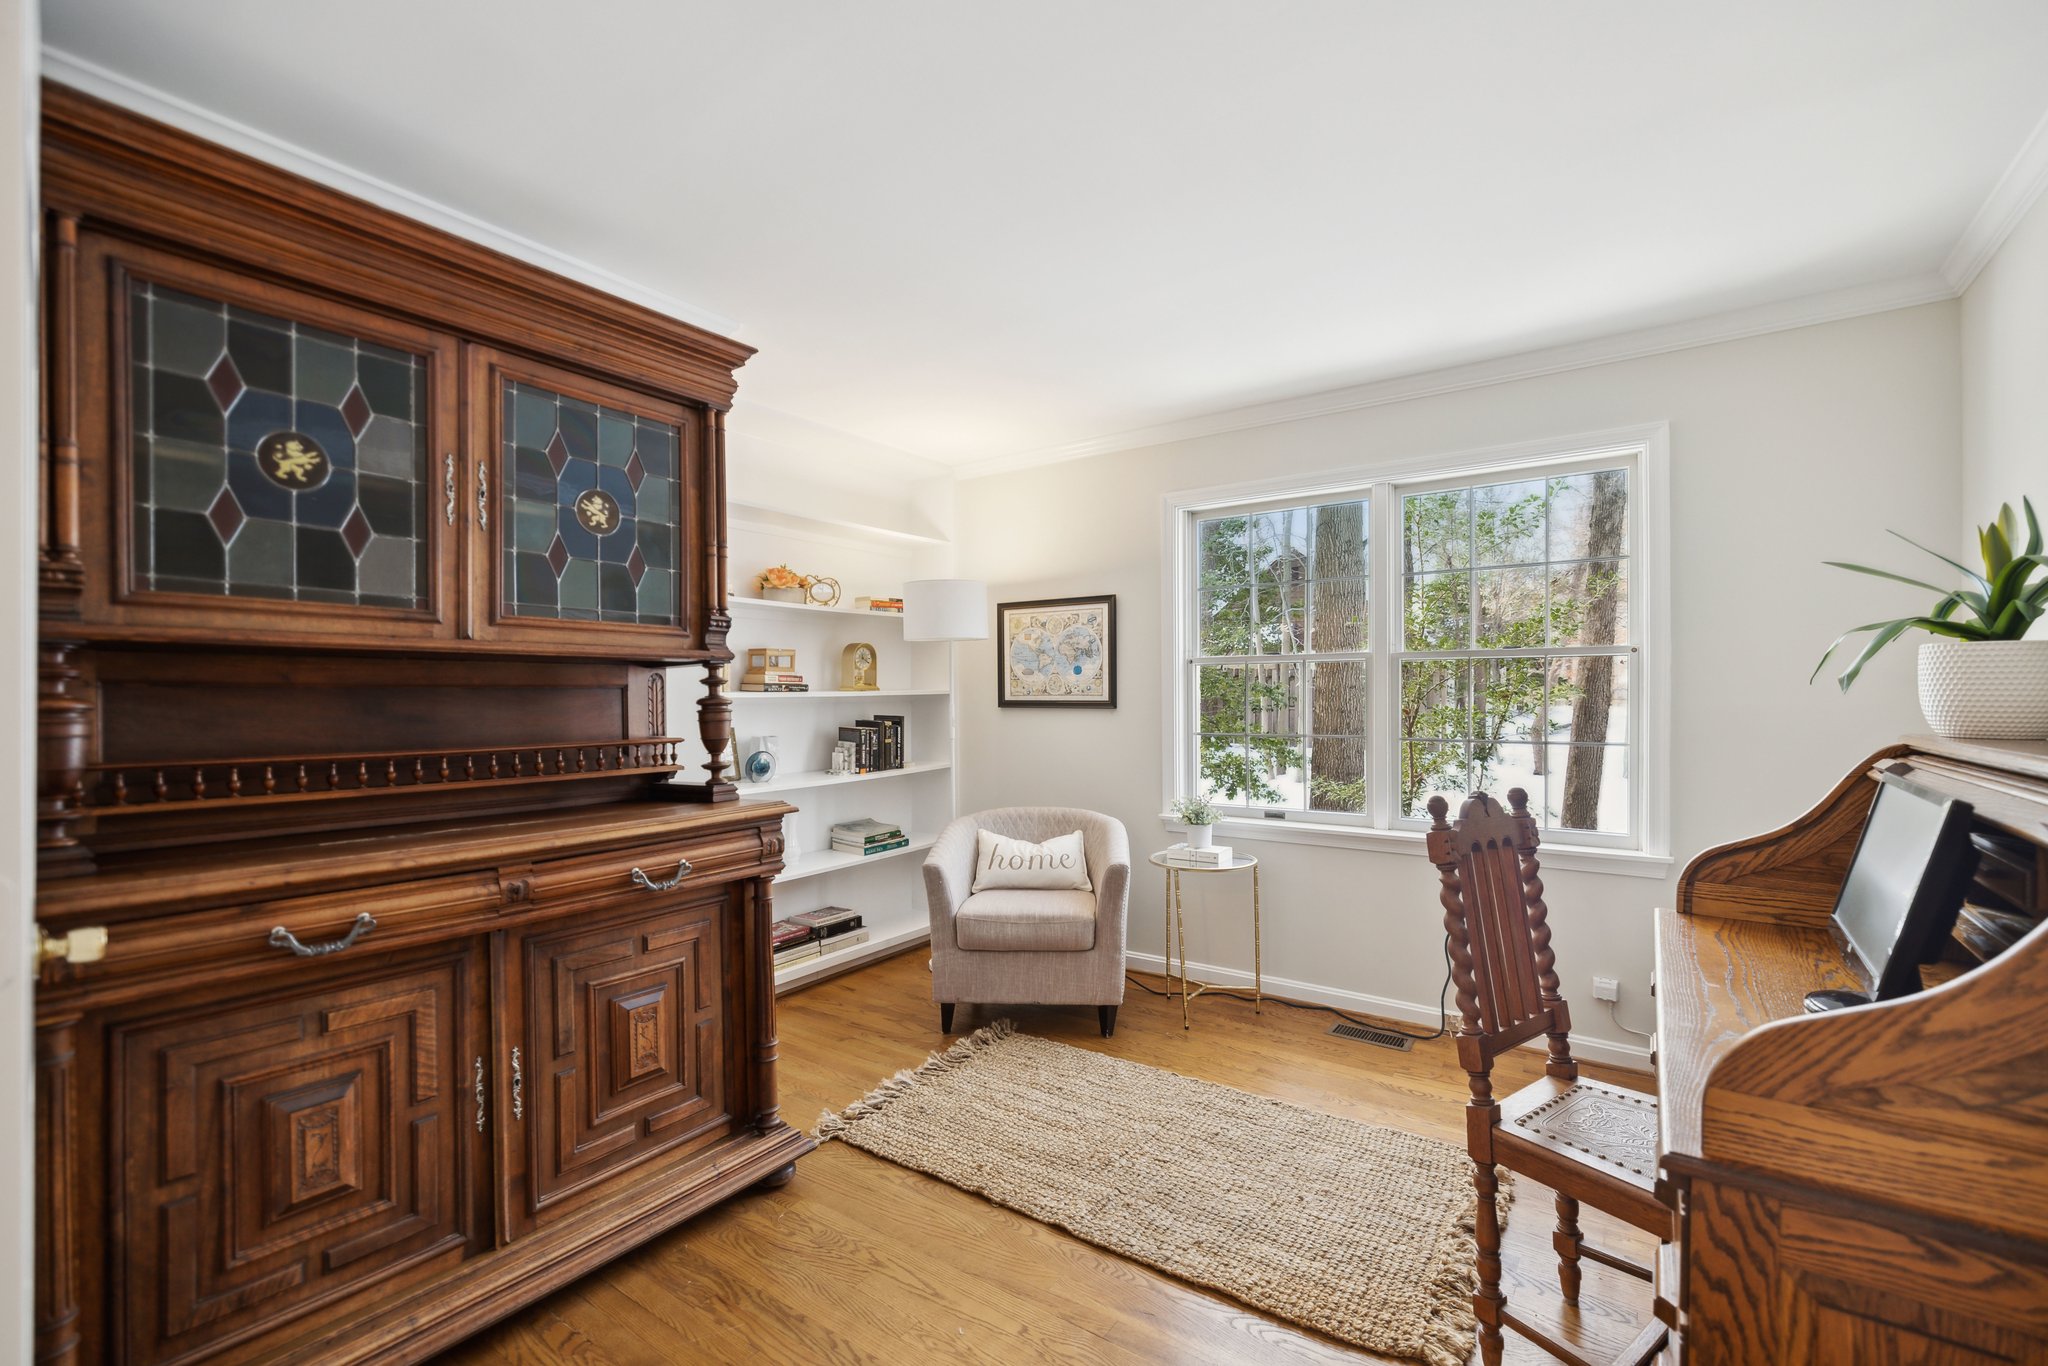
{"x": 280, "y": 1152}
{"x": 627, "y": 1037}
{"x": 1787, "y": 1282}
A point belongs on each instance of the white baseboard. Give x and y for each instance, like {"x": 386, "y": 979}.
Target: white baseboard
{"x": 1635, "y": 1057}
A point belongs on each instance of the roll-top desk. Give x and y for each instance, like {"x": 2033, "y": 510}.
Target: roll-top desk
{"x": 395, "y": 966}
{"x": 1868, "y": 1185}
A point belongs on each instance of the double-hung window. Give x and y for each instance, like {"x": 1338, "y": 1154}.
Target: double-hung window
{"x": 1350, "y": 650}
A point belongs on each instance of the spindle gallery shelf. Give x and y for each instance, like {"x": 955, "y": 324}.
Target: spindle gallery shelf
{"x": 119, "y": 789}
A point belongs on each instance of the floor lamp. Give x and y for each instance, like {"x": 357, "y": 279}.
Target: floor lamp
{"x": 950, "y": 610}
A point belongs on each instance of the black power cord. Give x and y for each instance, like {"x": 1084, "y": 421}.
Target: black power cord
{"x": 1442, "y": 1011}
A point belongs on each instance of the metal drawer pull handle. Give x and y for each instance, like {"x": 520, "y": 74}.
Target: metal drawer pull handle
{"x": 518, "y": 1088}
{"x": 285, "y": 939}
{"x": 448, "y": 483}
{"x": 483, "y": 496}
{"x": 479, "y": 1095}
{"x": 682, "y": 871}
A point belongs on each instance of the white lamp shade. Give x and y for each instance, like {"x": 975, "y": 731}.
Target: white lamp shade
{"x": 945, "y": 609}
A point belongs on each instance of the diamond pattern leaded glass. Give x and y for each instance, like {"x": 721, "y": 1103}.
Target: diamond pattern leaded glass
{"x": 273, "y": 459}
{"x": 589, "y": 507}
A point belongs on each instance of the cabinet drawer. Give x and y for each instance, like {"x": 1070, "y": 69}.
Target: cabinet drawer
{"x": 641, "y": 873}
{"x": 287, "y": 1149}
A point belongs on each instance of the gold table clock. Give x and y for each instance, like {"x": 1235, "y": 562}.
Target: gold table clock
{"x": 857, "y": 668}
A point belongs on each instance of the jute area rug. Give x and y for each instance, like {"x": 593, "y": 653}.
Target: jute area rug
{"x": 1355, "y": 1231}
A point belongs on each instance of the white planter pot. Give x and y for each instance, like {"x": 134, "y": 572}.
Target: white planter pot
{"x": 1200, "y": 836}
{"x": 785, "y": 595}
{"x": 1985, "y": 689}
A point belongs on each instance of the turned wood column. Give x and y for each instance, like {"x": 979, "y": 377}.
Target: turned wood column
{"x": 62, "y": 570}
{"x": 714, "y": 708}
{"x": 64, "y": 723}
{"x": 56, "y": 1299}
{"x": 761, "y": 953}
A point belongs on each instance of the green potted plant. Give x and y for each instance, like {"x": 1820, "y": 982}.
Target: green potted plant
{"x": 1200, "y": 819}
{"x": 1980, "y": 678}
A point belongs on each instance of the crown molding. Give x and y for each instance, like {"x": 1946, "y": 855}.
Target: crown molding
{"x": 115, "y": 88}
{"x": 1807, "y": 311}
{"x": 2024, "y": 180}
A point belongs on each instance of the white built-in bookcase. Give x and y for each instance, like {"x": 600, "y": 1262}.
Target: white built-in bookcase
{"x": 914, "y": 681}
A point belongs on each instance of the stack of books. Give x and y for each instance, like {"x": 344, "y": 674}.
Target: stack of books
{"x": 1186, "y": 856}
{"x": 834, "y": 929}
{"x": 874, "y": 745}
{"x": 880, "y": 604}
{"x": 868, "y": 836}
{"x": 774, "y": 680}
{"x": 793, "y": 942}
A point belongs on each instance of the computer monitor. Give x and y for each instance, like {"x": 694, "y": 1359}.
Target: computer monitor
{"x": 1906, "y": 883}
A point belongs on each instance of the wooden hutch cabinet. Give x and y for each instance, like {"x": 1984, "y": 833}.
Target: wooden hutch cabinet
{"x": 392, "y": 975}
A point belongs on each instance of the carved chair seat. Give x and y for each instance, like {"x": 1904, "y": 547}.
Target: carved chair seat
{"x": 1584, "y": 1139}
{"x": 1562, "y": 1132}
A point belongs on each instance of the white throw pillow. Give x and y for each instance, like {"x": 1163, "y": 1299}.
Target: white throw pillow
{"x": 1058, "y": 865}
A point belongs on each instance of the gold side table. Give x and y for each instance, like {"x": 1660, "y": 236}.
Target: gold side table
{"x": 1176, "y": 924}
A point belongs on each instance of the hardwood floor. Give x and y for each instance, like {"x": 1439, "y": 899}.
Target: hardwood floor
{"x": 858, "y": 1260}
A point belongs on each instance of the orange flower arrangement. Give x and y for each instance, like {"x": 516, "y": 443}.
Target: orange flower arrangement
{"x": 782, "y": 576}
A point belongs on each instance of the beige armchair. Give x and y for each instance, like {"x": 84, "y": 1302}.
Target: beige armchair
{"x": 1029, "y": 947}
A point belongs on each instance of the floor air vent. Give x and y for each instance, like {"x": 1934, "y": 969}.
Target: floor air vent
{"x": 1385, "y": 1038}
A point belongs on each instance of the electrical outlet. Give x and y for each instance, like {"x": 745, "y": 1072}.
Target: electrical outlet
{"x": 1606, "y": 989}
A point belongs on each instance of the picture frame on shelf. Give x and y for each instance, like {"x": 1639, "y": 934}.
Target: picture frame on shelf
{"x": 1057, "y": 652}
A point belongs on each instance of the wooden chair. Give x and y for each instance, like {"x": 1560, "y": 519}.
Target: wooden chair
{"x": 1583, "y": 1138}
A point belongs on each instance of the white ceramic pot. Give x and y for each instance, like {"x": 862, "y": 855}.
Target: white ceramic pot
{"x": 1985, "y": 689}
{"x": 1200, "y": 836}
{"x": 785, "y": 595}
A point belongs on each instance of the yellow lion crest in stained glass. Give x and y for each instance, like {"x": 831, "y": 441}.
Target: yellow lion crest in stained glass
{"x": 596, "y": 511}
{"x": 293, "y": 460}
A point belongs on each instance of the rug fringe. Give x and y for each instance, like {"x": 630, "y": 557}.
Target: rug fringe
{"x": 831, "y": 1126}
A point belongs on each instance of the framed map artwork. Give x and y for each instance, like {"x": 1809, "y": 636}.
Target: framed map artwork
{"x": 1056, "y": 652}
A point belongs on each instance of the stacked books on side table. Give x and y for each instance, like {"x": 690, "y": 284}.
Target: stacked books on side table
{"x": 817, "y": 934}
{"x": 1187, "y": 856}
{"x": 880, "y": 604}
{"x": 868, "y": 836}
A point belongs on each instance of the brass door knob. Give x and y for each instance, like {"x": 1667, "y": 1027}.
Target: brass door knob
{"x": 86, "y": 944}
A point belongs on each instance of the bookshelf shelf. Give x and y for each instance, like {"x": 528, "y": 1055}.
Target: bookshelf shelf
{"x": 744, "y": 605}
{"x": 825, "y": 965}
{"x": 917, "y": 684}
{"x": 832, "y": 861}
{"x": 797, "y": 782}
{"x": 839, "y": 692}
{"x": 778, "y": 519}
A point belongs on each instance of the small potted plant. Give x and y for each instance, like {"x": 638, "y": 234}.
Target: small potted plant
{"x": 1980, "y": 679}
{"x": 783, "y": 584}
{"x": 1200, "y": 819}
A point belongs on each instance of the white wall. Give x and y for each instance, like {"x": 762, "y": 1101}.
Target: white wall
{"x": 2005, "y": 377}
{"x": 18, "y": 531}
{"x": 1786, "y": 449}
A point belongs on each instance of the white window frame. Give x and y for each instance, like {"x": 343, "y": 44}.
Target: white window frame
{"x": 1647, "y": 450}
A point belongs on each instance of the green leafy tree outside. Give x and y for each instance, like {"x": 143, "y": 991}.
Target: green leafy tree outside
{"x": 1259, "y": 573}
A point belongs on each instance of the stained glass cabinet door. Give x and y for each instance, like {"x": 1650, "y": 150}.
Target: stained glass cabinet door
{"x": 584, "y": 509}
{"x": 276, "y": 457}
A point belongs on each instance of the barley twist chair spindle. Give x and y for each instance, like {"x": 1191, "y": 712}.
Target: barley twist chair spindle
{"x": 1583, "y": 1138}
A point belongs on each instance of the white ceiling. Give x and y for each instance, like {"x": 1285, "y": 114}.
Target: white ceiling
{"x": 970, "y": 230}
